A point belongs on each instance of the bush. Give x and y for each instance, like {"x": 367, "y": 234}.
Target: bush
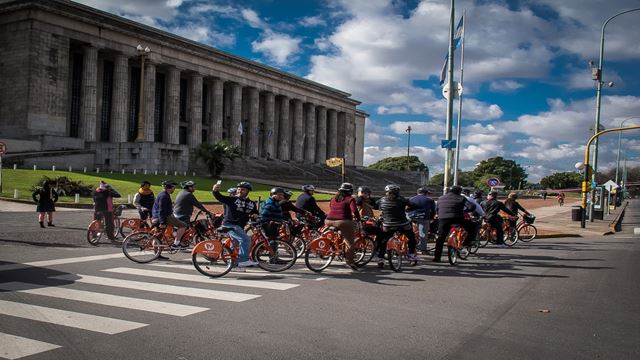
{"x": 65, "y": 186}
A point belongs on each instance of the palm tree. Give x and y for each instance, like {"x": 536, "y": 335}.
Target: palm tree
{"x": 213, "y": 155}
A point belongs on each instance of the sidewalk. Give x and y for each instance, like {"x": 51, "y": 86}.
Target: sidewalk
{"x": 555, "y": 221}
{"x": 10, "y": 206}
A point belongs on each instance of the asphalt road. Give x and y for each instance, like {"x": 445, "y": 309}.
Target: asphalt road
{"x": 565, "y": 298}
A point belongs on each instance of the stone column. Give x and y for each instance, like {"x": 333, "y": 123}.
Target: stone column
{"x": 120, "y": 102}
{"x": 284, "y": 132}
{"x": 310, "y": 138}
{"x": 149, "y": 101}
{"x": 236, "y": 115}
{"x": 321, "y": 139}
{"x": 269, "y": 125}
{"x": 172, "y": 123}
{"x": 332, "y": 134}
{"x": 217, "y": 113}
{"x": 194, "y": 112}
{"x": 342, "y": 116}
{"x": 89, "y": 94}
{"x": 349, "y": 139}
{"x": 360, "y": 121}
{"x": 253, "y": 131}
{"x": 298, "y": 132}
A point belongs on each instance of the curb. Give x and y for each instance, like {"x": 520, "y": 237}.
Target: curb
{"x": 615, "y": 224}
{"x": 554, "y": 236}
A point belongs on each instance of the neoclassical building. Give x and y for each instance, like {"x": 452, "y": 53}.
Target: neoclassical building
{"x": 74, "y": 78}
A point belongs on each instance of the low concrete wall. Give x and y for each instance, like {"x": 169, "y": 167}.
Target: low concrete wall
{"x": 78, "y": 161}
{"x": 14, "y": 145}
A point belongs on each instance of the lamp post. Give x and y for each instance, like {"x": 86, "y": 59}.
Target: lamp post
{"x": 408, "y": 145}
{"x": 143, "y": 52}
{"x": 619, "y": 144}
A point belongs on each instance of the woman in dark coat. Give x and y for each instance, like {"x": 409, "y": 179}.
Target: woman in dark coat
{"x": 45, "y": 197}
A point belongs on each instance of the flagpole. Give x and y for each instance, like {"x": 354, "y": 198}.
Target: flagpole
{"x": 455, "y": 166}
{"x": 447, "y": 162}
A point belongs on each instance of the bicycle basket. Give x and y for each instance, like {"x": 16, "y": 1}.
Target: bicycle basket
{"x": 118, "y": 210}
{"x": 529, "y": 219}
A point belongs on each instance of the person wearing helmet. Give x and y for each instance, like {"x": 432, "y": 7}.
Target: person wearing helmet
{"x": 288, "y": 206}
{"x": 478, "y": 196}
{"x": 451, "y": 208}
{"x": 232, "y": 191}
{"x": 183, "y": 208}
{"x": 103, "y": 206}
{"x": 162, "y": 211}
{"x": 343, "y": 210}
{"x": 271, "y": 212}
{"x": 144, "y": 199}
{"x": 512, "y": 204}
{"x": 492, "y": 208}
{"x": 306, "y": 201}
{"x": 424, "y": 210}
{"x": 393, "y": 208}
{"x": 237, "y": 211}
{"x": 365, "y": 202}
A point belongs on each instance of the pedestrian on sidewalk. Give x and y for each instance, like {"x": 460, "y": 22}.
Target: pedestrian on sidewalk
{"x": 45, "y": 197}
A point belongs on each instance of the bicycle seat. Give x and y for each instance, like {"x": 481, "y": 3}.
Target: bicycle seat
{"x": 224, "y": 229}
{"x": 333, "y": 228}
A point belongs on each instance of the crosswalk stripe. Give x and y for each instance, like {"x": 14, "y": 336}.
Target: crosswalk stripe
{"x": 250, "y": 272}
{"x": 89, "y": 322}
{"x": 16, "y": 347}
{"x": 104, "y": 299}
{"x": 8, "y": 267}
{"x": 159, "y": 288}
{"x": 270, "y": 285}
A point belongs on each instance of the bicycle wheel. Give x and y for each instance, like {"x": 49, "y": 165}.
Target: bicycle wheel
{"x": 300, "y": 246}
{"x": 141, "y": 247}
{"x": 395, "y": 260}
{"x": 213, "y": 267}
{"x": 282, "y": 258}
{"x": 475, "y": 245}
{"x": 116, "y": 227}
{"x": 452, "y": 254}
{"x": 363, "y": 251}
{"x": 510, "y": 237}
{"x": 316, "y": 262}
{"x": 527, "y": 232}
{"x": 93, "y": 235}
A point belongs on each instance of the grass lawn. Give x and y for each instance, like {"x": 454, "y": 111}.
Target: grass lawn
{"x": 125, "y": 184}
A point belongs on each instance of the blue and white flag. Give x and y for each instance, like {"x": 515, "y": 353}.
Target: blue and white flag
{"x": 457, "y": 36}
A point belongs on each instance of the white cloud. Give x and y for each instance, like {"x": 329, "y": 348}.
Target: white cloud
{"x": 505, "y": 85}
{"x": 312, "y": 21}
{"x": 418, "y": 127}
{"x": 173, "y": 3}
{"x": 278, "y": 48}
{"x": 322, "y": 43}
{"x": 252, "y": 18}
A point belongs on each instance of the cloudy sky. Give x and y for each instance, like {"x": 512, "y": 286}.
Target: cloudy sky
{"x": 528, "y": 89}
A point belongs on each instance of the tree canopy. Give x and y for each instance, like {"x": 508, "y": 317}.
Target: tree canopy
{"x": 562, "y": 180}
{"x": 399, "y": 163}
{"x": 213, "y": 155}
{"x": 509, "y": 172}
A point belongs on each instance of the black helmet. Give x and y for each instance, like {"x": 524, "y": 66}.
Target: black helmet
{"x": 456, "y": 189}
{"x": 232, "y": 190}
{"x": 187, "y": 183}
{"x": 288, "y": 194}
{"x": 277, "y": 190}
{"x": 423, "y": 190}
{"x": 392, "y": 188}
{"x": 169, "y": 184}
{"x": 347, "y": 187}
{"x": 478, "y": 193}
{"x": 466, "y": 191}
{"x": 308, "y": 188}
{"x": 364, "y": 189}
{"x": 245, "y": 185}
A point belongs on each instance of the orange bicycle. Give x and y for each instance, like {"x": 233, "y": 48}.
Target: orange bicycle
{"x": 96, "y": 228}
{"x": 330, "y": 244}
{"x": 397, "y": 250}
{"x": 455, "y": 243}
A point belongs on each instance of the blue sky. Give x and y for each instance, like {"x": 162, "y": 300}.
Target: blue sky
{"x": 528, "y": 89}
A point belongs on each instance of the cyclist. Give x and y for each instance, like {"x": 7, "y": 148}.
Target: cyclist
{"x": 424, "y": 211}
{"x": 144, "y": 199}
{"x": 183, "y": 208}
{"x": 306, "y": 201}
{"x": 162, "y": 211}
{"x": 288, "y": 206}
{"x": 560, "y": 198}
{"x": 237, "y": 211}
{"x": 343, "y": 210}
{"x": 394, "y": 218}
{"x": 231, "y": 191}
{"x": 103, "y": 206}
{"x": 512, "y": 204}
{"x": 477, "y": 214}
{"x": 492, "y": 208}
{"x": 450, "y": 209}
{"x": 478, "y": 196}
{"x": 271, "y": 212}
{"x": 365, "y": 201}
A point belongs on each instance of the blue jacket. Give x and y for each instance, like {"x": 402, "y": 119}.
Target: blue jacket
{"x": 423, "y": 207}
{"x": 271, "y": 210}
{"x": 162, "y": 207}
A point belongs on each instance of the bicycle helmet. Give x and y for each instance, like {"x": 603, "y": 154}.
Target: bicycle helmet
{"x": 309, "y": 188}
{"x": 245, "y": 185}
{"x": 364, "y": 189}
{"x": 187, "y": 183}
{"x": 456, "y": 189}
{"x": 423, "y": 190}
{"x": 478, "y": 194}
{"x": 347, "y": 187}
{"x": 232, "y": 190}
{"x": 288, "y": 194}
{"x": 391, "y": 188}
{"x": 277, "y": 190}
{"x": 169, "y": 184}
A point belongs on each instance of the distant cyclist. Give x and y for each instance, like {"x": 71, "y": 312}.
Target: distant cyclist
{"x": 144, "y": 199}
{"x": 183, "y": 208}
{"x": 394, "y": 218}
{"x": 512, "y": 204}
{"x": 306, "y": 201}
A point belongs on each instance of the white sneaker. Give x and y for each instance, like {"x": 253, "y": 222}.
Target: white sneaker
{"x": 238, "y": 269}
{"x": 247, "y": 263}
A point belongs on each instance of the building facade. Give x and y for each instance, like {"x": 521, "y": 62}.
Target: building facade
{"x": 73, "y": 77}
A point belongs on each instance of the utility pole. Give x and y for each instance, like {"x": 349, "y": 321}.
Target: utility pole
{"x": 408, "y": 146}
{"x": 449, "y": 130}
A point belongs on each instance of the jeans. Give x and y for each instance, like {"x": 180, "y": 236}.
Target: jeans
{"x": 239, "y": 236}
{"x": 423, "y": 233}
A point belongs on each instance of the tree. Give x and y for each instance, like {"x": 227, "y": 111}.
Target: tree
{"x": 399, "y": 163}
{"x": 465, "y": 179}
{"x": 213, "y": 155}
{"x": 509, "y": 172}
{"x": 562, "y": 180}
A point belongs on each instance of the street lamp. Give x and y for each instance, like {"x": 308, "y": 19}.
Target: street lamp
{"x": 143, "y": 52}
{"x": 619, "y": 143}
{"x": 408, "y": 144}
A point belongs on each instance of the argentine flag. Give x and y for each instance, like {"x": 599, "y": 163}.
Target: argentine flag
{"x": 457, "y": 36}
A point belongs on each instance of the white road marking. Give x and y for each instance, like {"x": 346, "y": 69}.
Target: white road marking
{"x": 104, "y": 299}
{"x": 636, "y": 231}
{"x": 45, "y": 263}
{"x": 271, "y": 285}
{"x": 250, "y": 272}
{"x": 89, "y": 322}
{"x": 159, "y": 288}
{"x": 16, "y": 347}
